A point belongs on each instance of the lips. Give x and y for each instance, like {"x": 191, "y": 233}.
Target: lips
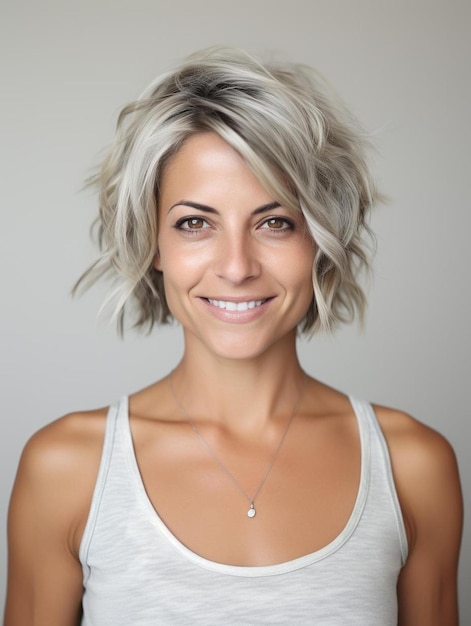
{"x": 237, "y": 310}
{"x": 231, "y": 305}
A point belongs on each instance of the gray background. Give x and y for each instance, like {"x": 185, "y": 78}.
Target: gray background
{"x": 68, "y": 67}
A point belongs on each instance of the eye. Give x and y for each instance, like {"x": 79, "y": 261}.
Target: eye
{"x": 279, "y": 224}
{"x": 192, "y": 224}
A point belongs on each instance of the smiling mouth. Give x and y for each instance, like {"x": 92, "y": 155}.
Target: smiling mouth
{"x": 229, "y": 305}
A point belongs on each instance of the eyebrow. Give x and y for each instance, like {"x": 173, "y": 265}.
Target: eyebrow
{"x": 208, "y": 209}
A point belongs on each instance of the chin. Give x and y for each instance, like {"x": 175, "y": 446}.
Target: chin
{"x": 243, "y": 348}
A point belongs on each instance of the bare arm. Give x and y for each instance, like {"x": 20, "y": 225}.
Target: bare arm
{"x": 428, "y": 485}
{"x": 48, "y": 510}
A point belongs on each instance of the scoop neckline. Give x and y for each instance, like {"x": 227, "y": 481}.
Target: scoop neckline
{"x": 253, "y": 570}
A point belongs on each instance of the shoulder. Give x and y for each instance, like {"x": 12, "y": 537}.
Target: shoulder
{"x": 58, "y": 469}
{"x": 47, "y": 515}
{"x": 60, "y": 445}
{"x": 427, "y": 482}
{"x": 425, "y": 470}
{"x": 414, "y": 446}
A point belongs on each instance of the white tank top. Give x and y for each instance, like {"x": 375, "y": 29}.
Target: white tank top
{"x": 137, "y": 573}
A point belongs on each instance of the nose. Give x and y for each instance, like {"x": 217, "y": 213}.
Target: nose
{"x": 238, "y": 258}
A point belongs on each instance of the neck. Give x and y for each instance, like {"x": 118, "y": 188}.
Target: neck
{"x": 240, "y": 394}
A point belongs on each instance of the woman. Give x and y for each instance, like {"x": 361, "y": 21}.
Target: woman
{"x": 237, "y": 490}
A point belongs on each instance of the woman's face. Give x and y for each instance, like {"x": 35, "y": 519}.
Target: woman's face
{"x": 236, "y": 265}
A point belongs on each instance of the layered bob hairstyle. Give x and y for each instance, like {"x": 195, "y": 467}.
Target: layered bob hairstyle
{"x": 298, "y": 140}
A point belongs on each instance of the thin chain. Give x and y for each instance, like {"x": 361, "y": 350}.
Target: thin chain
{"x": 251, "y": 500}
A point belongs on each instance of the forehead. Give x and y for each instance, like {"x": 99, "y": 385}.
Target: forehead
{"x": 207, "y": 165}
{"x": 205, "y": 151}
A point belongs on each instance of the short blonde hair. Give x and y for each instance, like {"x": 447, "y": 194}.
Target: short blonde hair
{"x": 280, "y": 118}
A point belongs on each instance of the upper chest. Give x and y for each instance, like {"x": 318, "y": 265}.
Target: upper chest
{"x": 303, "y": 498}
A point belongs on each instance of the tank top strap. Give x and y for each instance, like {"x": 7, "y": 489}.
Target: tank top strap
{"x": 115, "y": 412}
{"x": 380, "y": 464}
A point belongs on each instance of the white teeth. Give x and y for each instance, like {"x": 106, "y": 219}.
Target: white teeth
{"x": 236, "y": 306}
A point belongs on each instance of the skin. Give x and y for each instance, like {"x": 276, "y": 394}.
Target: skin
{"x": 241, "y": 378}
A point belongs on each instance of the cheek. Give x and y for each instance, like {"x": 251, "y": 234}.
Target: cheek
{"x": 157, "y": 262}
{"x": 182, "y": 267}
{"x": 157, "y": 257}
{"x": 165, "y": 257}
{"x": 181, "y": 257}
{"x": 299, "y": 267}
{"x": 304, "y": 280}
{"x": 305, "y": 285}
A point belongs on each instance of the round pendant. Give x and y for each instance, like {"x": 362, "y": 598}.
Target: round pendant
{"x": 251, "y": 511}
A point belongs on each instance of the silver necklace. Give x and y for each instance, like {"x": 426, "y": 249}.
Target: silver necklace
{"x": 251, "y": 500}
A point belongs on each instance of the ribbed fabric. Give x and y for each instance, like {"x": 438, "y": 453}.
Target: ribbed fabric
{"x": 137, "y": 573}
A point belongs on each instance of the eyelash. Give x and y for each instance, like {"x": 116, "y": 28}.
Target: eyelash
{"x": 288, "y": 224}
{"x": 184, "y": 220}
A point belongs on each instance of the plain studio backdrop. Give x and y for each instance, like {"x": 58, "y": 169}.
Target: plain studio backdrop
{"x": 67, "y": 69}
